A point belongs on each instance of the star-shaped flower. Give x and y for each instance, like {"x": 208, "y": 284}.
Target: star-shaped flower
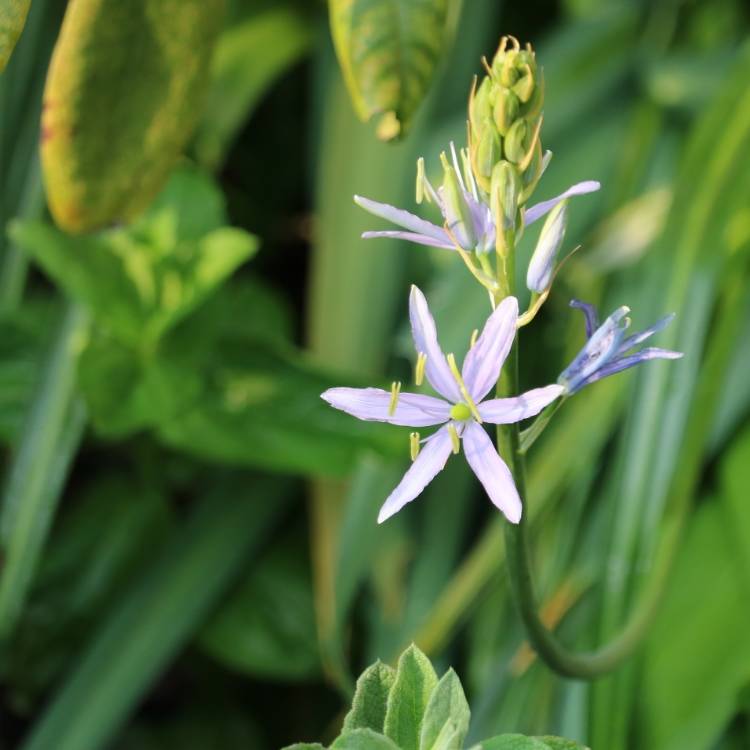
{"x": 461, "y": 410}
{"x": 464, "y": 212}
{"x": 606, "y": 351}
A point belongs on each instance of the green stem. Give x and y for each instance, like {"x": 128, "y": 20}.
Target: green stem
{"x": 52, "y": 432}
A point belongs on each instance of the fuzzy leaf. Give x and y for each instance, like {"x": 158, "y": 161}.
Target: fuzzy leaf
{"x": 388, "y": 51}
{"x": 363, "y": 739}
{"x": 446, "y": 719}
{"x": 12, "y": 19}
{"x": 124, "y": 92}
{"x": 304, "y": 746}
{"x": 370, "y": 698}
{"x": 521, "y": 742}
{"x": 409, "y": 697}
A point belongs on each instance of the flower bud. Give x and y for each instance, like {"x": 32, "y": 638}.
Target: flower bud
{"x": 542, "y": 265}
{"x": 457, "y": 211}
{"x": 514, "y": 144}
{"x": 487, "y": 153}
{"x": 504, "y": 201}
{"x": 505, "y": 110}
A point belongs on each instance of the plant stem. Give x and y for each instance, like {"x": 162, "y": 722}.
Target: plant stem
{"x": 51, "y": 434}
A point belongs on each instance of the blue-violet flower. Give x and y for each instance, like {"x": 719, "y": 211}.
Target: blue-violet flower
{"x": 606, "y": 350}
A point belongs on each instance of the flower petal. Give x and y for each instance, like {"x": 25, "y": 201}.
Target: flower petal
{"x": 510, "y": 410}
{"x": 537, "y": 211}
{"x": 401, "y": 218}
{"x": 425, "y": 342}
{"x": 485, "y": 359}
{"x": 492, "y": 471}
{"x": 589, "y": 311}
{"x": 420, "y": 239}
{"x": 430, "y": 461}
{"x": 625, "y": 363}
{"x": 638, "y": 338}
{"x": 373, "y": 405}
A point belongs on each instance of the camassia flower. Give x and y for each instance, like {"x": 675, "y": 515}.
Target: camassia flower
{"x": 466, "y": 215}
{"x": 606, "y": 351}
{"x": 461, "y": 411}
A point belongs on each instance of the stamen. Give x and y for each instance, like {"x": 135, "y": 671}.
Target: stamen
{"x": 455, "y": 166}
{"x": 473, "y": 339}
{"x": 462, "y": 387}
{"x": 455, "y": 440}
{"x": 414, "y": 445}
{"x": 395, "y": 392}
{"x": 489, "y": 284}
{"x": 468, "y": 174}
{"x": 420, "y": 181}
{"x": 419, "y": 369}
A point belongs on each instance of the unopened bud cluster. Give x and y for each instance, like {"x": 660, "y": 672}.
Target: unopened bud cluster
{"x": 505, "y": 116}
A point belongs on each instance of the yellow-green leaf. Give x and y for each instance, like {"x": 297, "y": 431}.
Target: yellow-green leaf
{"x": 388, "y": 51}
{"x": 124, "y": 92}
{"x": 12, "y": 18}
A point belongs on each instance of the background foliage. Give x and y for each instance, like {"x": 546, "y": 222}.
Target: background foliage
{"x": 189, "y": 550}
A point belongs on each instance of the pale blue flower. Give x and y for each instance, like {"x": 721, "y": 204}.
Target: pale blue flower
{"x": 542, "y": 265}
{"x": 470, "y": 223}
{"x": 461, "y": 410}
{"x": 607, "y": 349}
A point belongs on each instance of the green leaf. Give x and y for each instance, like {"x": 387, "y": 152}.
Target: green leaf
{"x": 363, "y": 739}
{"x": 446, "y": 719}
{"x": 156, "y": 617}
{"x": 388, "y": 51}
{"x": 521, "y": 742}
{"x": 140, "y": 283}
{"x": 115, "y": 122}
{"x": 370, "y": 698}
{"x": 12, "y": 19}
{"x": 267, "y": 627}
{"x": 408, "y": 698}
{"x": 304, "y": 746}
{"x": 255, "y": 50}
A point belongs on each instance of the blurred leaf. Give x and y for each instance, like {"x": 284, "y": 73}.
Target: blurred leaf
{"x": 697, "y": 663}
{"x": 520, "y": 742}
{"x": 408, "y": 698}
{"x": 12, "y": 19}
{"x": 152, "y": 621}
{"x": 388, "y": 53}
{"x": 446, "y": 718}
{"x": 267, "y": 627}
{"x": 139, "y": 283}
{"x": 250, "y": 55}
{"x": 363, "y": 739}
{"x": 370, "y": 698}
{"x": 124, "y": 92}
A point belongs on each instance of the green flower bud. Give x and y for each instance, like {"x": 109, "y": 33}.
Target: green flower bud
{"x": 457, "y": 210}
{"x": 514, "y": 145}
{"x": 505, "y": 110}
{"x": 480, "y": 109}
{"x": 487, "y": 153}
{"x": 524, "y": 86}
{"x": 505, "y": 194}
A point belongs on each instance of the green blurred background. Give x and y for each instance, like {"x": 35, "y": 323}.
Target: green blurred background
{"x": 190, "y": 557}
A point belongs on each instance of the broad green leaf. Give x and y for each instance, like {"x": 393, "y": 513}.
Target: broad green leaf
{"x": 363, "y": 739}
{"x": 266, "y": 40}
{"x": 267, "y": 627}
{"x": 446, "y": 719}
{"x": 408, "y": 698}
{"x": 304, "y": 746}
{"x": 12, "y": 19}
{"x": 371, "y": 698}
{"x": 140, "y": 282}
{"x": 150, "y": 623}
{"x": 388, "y": 51}
{"x": 125, "y": 89}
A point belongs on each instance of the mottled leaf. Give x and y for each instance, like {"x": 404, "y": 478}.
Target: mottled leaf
{"x": 124, "y": 92}
{"x": 388, "y": 51}
{"x": 12, "y": 19}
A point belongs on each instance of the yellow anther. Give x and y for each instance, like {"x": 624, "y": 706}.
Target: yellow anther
{"x": 462, "y": 387}
{"x": 454, "y": 438}
{"x": 473, "y": 339}
{"x": 395, "y": 391}
{"x": 414, "y": 444}
{"x": 419, "y": 369}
